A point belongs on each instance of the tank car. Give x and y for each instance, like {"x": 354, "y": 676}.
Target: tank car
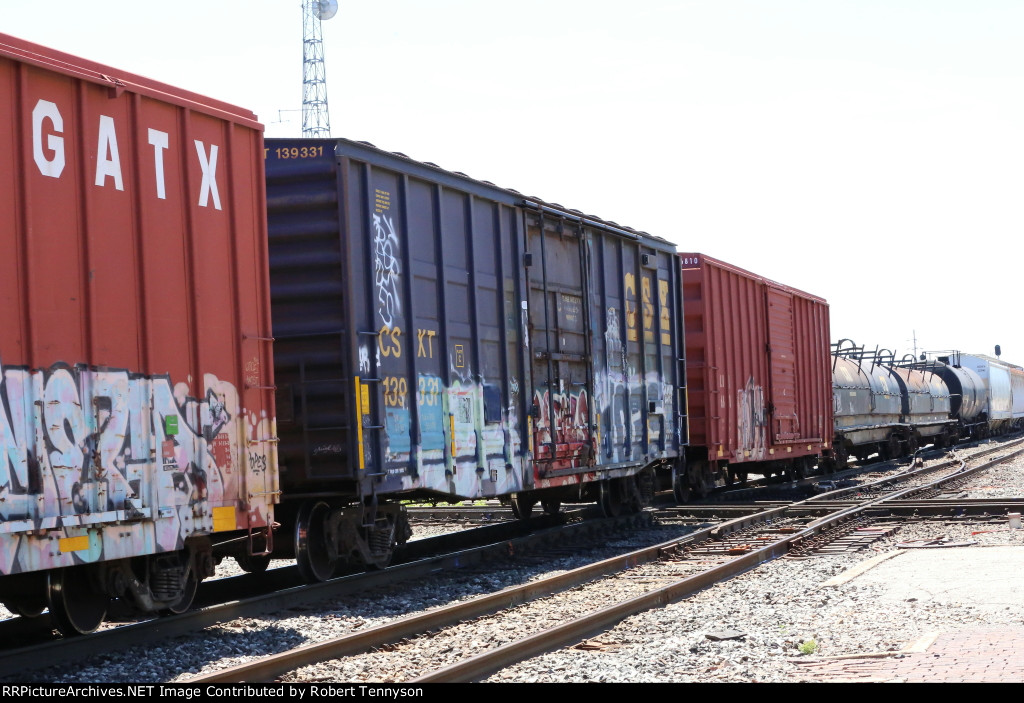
{"x": 758, "y": 378}
{"x": 986, "y": 386}
{"x": 440, "y": 338}
{"x": 886, "y": 406}
{"x": 926, "y": 405}
{"x": 137, "y": 421}
{"x": 867, "y": 404}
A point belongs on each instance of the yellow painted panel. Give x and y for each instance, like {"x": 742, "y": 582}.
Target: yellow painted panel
{"x": 360, "y": 410}
{"x": 74, "y": 544}
{"x": 224, "y": 519}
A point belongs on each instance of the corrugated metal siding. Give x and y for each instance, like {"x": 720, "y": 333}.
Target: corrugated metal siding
{"x": 397, "y": 296}
{"x": 607, "y": 343}
{"x": 1017, "y": 386}
{"x": 758, "y": 371}
{"x": 813, "y": 374}
{"x": 135, "y": 306}
{"x": 483, "y": 343}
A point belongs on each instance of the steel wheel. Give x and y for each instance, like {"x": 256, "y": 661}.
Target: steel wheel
{"x": 551, "y": 506}
{"x": 312, "y": 556}
{"x": 253, "y": 563}
{"x": 614, "y": 501}
{"x": 26, "y": 606}
{"x": 75, "y": 607}
{"x": 522, "y": 505}
{"x": 680, "y": 485}
{"x": 188, "y": 595}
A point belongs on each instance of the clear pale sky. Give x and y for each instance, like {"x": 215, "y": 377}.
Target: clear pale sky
{"x": 869, "y": 151}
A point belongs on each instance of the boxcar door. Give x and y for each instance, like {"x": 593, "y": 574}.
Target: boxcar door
{"x": 785, "y": 425}
{"x": 559, "y": 353}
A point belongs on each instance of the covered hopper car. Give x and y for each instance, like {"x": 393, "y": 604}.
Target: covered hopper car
{"x": 991, "y": 389}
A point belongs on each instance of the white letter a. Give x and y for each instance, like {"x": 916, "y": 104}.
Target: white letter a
{"x": 108, "y": 163}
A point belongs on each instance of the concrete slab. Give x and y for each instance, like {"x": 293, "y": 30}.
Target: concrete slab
{"x": 990, "y": 578}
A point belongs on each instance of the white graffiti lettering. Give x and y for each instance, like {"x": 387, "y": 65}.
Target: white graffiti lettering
{"x": 84, "y": 448}
{"x": 385, "y": 249}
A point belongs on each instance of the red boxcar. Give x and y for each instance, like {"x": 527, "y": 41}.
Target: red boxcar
{"x": 134, "y": 336}
{"x": 759, "y": 381}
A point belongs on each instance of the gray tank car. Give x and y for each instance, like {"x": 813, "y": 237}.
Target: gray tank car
{"x": 866, "y": 406}
{"x": 885, "y": 407}
{"x": 982, "y": 390}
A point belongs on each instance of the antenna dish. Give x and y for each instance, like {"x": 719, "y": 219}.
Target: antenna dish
{"x": 325, "y": 9}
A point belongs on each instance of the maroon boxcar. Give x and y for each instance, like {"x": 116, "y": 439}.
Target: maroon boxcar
{"x": 758, "y": 373}
{"x": 137, "y": 414}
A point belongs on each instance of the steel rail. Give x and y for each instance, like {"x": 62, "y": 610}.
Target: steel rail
{"x": 500, "y": 538}
{"x": 479, "y": 666}
{"x": 487, "y": 663}
{"x": 355, "y": 643}
{"x": 284, "y": 662}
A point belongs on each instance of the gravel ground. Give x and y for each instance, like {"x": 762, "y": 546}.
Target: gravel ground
{"x": 782, "y": 612}
{"x": 757, "y": 627}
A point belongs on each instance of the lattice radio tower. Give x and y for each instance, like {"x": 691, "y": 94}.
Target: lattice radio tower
{"x": 316, "y": 121}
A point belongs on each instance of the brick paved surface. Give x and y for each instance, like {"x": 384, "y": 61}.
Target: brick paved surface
{"x": 973, "y": 655}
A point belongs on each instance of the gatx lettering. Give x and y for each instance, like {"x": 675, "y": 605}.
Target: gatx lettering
{"x": 48, "y": 145}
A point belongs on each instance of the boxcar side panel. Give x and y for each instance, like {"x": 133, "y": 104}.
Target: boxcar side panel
{"x": 133, "y": 419}
{"x": 605, "y": 350}
{"x": 420, "y": 387}
{"x": 758, "y": 374}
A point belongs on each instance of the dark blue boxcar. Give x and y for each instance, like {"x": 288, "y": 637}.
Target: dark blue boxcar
{"x": 438, "y": 337}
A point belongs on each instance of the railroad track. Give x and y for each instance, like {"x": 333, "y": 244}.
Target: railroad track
{"x": 746, "y": 535}
{"x": 678, "y": 568}
{"x": 227, "y": 599}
